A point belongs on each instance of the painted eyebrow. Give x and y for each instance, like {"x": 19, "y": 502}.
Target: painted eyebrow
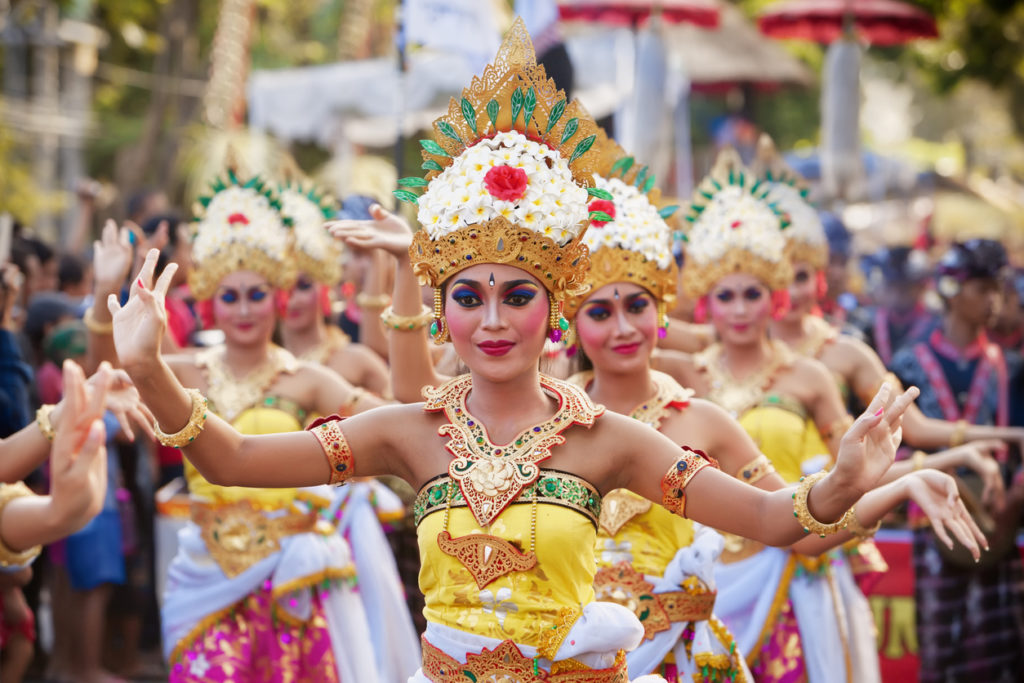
{"x": 518, "y": 283}
{"x": 469, "y": 283}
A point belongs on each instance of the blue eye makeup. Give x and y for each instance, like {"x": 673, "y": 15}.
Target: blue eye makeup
{"x": 466, "y": 297}
{"x": 304, "y": 284}
{"x": 726, "y": 296}
{"x": 598, "y": 312}
{"x": 520, "y": 296}
{"x": 256, "y": 295}
{"x": 229, "y": 296}
{"x": 752, "y": 294}
{"x": 638, "y": 304}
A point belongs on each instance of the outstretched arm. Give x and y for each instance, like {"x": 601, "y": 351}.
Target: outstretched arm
{"x": 720, "y": 501}
{"x": 219, "y": 452}
{"x": 412, "y": 367}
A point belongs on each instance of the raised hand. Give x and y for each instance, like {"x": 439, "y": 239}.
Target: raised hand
{"x": 979, "y": 456}
{"x": 386, "y": 231}
{"x": 78, "y": 460}
{"x": 111, "y": 258}
{"x": 140, "y": 325}
{"x": 936, "y": 494}
{"x": 868, "y": 448}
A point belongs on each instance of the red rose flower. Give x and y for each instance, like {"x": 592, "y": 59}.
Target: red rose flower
{"x": 604, "y": 206}
{"x": 506, "y": 182}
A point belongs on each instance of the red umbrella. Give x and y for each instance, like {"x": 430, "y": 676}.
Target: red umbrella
{"x": 633, "y": 12}
{"x": 879, "y": 22}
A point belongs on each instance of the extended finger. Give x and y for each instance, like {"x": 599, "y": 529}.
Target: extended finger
{"x": 163, "y": 285}
{"x": 940, "y": 531}
{"x": 113, "y": 305}
{"x": 97, "y": 393}
{"x": 145, "y": 278}
{"x": 126, "y": 428}
{"x": 895, "y": 410}
{"x": 109, "y": 234}
{"x": 973, "y": 527}
{"x": 92, "y": 448}
{"x": 965, "y": 535}
{"x": 145, "y": 420}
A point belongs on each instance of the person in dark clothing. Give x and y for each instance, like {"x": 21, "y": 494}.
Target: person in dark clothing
{"x": 15, "y": 374}
{"x": 970, "y": 620}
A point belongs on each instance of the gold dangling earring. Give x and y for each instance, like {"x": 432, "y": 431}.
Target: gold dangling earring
{"x": 557, "y": 321}
{"x": 439, "y": 328}
{"x": 662, "y": 320}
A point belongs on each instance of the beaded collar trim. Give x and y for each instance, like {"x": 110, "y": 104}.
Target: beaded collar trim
{"x": 489, "y": 476}
{"x": 668, "y": 394}
{"x": 553, "y": 487}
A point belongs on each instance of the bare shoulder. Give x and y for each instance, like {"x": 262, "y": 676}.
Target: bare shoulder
{"x": 356, "y": 353}
{"x": 810, "y": 369}
{"x": 314, "y": 372}
{"x": 679, "y": 364}
{"x": 851, "y": 346}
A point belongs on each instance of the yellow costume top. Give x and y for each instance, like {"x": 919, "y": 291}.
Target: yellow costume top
{"x": 785, "y": 433}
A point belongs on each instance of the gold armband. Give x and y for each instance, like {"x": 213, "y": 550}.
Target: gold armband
{"x": 94, "y": 325}
{"x": 803, "y": 513}
{"x": 406, "y": 323}
{"x": 196, "y": 422}
{"x": 339, "y": 455}
{"x": 917, "y": 459}
{"x": 370, "y": 301}
{"x": 838, "y": 427}
{"x": 959, "y": 435}
{"x": 756, "y": 470}
{"x": 854, "y": 526}
{"x": 43, "y": 420}
{"x": 9, "y": 558}
{"x": 673, "y": 484}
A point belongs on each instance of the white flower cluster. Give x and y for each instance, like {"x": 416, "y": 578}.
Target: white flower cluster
{"x": 637, "y": 225}
{"x": 804, "y": 223}
{"x": 311, "y": 238}
{"x": 735, "y": 219}
{"x": 215, "y": 232}
{"x": 553, "y": 204}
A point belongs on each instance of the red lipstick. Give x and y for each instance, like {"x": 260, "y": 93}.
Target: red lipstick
{"x": 497, "y": 347}
{"x": 627, "y": 349}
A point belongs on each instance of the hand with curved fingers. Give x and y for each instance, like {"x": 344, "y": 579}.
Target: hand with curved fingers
{"x": 78, "y": 461}
{"x": 386, "y": 231}
{"x": 936, "y": 494}
{"x": 111, "y": 258}
{"x": 140, "y": 325}
{"x": 868, "y": 448}
{"x": 124, "y": 402}
{"x": 980, "y": 457}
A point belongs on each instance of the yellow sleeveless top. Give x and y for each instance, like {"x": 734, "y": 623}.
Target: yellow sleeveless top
{"x": 783, "y": 431}
{"x": 273, "y": 417}
{"x": 631, "y": 528}
{"x": 534, "y": 607}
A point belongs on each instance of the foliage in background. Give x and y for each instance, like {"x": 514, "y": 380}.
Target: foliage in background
{"x": 19, "y": 194}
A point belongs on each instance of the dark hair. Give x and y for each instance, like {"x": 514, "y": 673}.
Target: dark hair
{"x": 173, "y": 220}
{"x": 71, "y": 270}
{"x": 43, "y": 251}
{"x": 137, "y": 201}
{"x": 45, "y": 309}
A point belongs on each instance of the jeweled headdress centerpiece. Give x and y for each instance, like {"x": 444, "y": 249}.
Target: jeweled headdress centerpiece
{"x": 506, "y": 175}
{"x": 309, "y": 207}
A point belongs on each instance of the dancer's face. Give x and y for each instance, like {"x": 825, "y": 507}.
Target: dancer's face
{"x": 740, "y": 308}
{"x": 617, "y": 326}
{"x": 803, "y": 292}
{"x": 497, "y": 316}
{"x": 303, "y": 304}
{"x": 243, "y": 307}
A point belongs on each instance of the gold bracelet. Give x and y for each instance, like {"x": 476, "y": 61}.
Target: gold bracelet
{"x": 959, "y": 435}
{"x": 196, "y": 422}
{"x": 43, "y": 420}
{"x": 854, "y": 526}
{"x": 364, "y": 300}
{"x": 8, "y": 557}
{"x": 756, "y": 470}
{"x": 406, "y": 323}
{"x": 803, "y": 513}
{"x": 94, "y": 325}
{"x": 838, "y": 427}
{"x": 918, "y": 459}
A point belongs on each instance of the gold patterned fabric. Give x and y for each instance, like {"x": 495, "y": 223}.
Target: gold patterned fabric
{"x": 506, "y": 663}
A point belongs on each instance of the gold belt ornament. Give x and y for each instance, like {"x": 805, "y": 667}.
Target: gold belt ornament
{"x": 507, "y": 663}
{"x": 238, "y": 535}
{"x": 657, "y": 612}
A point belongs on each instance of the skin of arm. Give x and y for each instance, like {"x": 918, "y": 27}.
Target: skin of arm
{"x": 362, "y": 367}
{"x": 826, "y": 404}
{"x": 687, "y": 337}
{"x": 371, "y": 331}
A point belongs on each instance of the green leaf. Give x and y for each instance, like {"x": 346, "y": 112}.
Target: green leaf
{"x": 469, "y": 114}
{"x": 433, "y": 148}
{"x": 570, "y": 129}
{"x": 601, "y": 217}
{"x": 517, "y": 104}
{"x": 622, "y": 166}
{"x": 648, "y": 186}
{"x": 582, "y": 148}
{"x": 412, "y": 181}
{"x": 448, "y": 131}
{"x": 431, "y": 165}
{"x": 599, "y": 193}
{"x": 528, "y": 106}
{"x": 641, "y": 176}
{"x": 406, "y": 196}
{"x": 668, "y": 211}
{"x": 555, "y": 115}
{"x": 492, "y": 113}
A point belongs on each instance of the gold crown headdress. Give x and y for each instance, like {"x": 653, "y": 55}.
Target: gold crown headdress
{"x": 316, "y": 252}
{"x": 805, "y": 237}
{"x": 238, "y": 225}
{"x": 506, "y": 173}
{"x": 628, "y": 238}
{"x": 733, "y": 228}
